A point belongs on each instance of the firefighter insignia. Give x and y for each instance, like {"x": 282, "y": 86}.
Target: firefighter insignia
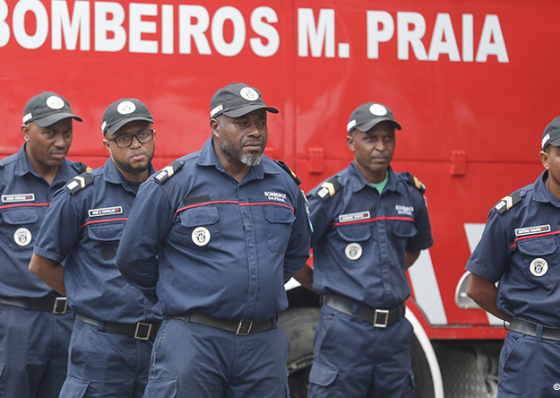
{"x": 201, "y": 236}
{"x": 353, "y": 251}
{"x": 539, "y": 267}
{"x": 22, "y": 236}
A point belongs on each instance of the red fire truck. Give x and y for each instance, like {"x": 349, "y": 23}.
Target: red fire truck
{"x": 473, "y": 83}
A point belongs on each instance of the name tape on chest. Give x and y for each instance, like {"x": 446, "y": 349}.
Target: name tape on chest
{"x": 539, "y": 229}
{"x": 362, "y": 215}
{"x": 106, "y": 211}
{"x": 17, "y": 198}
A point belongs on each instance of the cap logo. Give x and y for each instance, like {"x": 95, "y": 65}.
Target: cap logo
{"x": 351, "y": 125}
{"x": 126, "y": 108}
{"x": 27, "y": 117}
{"x": 378, "y": 110}
{"x": 216, "y": 110}
{"x": 103, "y": 127}
{"x": 249, "y": 94}
{"x": 544, "y": 140}
{"x": 55, "y": 102}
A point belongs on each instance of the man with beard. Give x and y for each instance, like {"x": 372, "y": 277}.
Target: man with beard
{"x": 216, "y": 234}
{"x": 35, "y": 325}
{"x": 370, "y": 225}
{"x": 113, "y": 336}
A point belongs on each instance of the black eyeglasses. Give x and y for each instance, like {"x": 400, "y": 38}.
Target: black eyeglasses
{"x": 125, "y": 140}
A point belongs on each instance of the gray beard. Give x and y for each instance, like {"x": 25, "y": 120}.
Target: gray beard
{"x": 251, "y": 160}
{"x": 248, "y": 160}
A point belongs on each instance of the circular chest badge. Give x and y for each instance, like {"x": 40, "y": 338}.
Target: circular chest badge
{"x": 378, "y": 110}
{"x": 353, "y": 251}
{"x": 126, "y": 108}
{"x": 249, "y": 94}
{"x": 539, "y": 267}
{"x": 55, "y": 102}
{"x": 201, "y": 236}
{"x": 22, "y": 236}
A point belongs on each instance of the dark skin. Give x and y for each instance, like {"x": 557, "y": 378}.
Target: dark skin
{"x": 133, "y": 162}
{"x": 235, "y": 138}
{"x": 373, "y": 152}
{"x": 483, "y": 291}
{"x": 46, "y": 147}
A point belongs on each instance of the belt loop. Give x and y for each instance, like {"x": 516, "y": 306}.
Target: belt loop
{"x": 27, "y": 303}
{"x": 101, "y": 326}
{"x": 538, "y": 337}
{"x": 355, "y": 309}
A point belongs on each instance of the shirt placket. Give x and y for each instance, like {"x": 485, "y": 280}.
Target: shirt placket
{"x": 383, "y": 241}
{"x": 251, "y": 247}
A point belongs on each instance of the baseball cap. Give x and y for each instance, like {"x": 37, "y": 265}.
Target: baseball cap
{"x": 46, "y": 109}
{"x": 123, "y": 111}
{"x": 551, "y": 134}
{"x": 237, "y": 99}
{"x": 368, "y": 115}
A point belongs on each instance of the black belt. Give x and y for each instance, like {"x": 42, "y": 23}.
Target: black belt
{"x": 140, "y": 330}
{"x": 530, "y": 329}
{"x": 56, "y": 305}
{"x": 238, "y": 326}
{"x": 378, "y": 318}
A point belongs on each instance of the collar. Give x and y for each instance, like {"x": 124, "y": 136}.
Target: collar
{"x": 24, "y": 166}
{"x": 542, "y": 193}
{"x": 113, "y": 175}
{"x": 207, "y": 157}
{"x": 357, "y": 181}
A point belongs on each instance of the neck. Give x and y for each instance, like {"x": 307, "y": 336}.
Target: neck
{"x": 553, "y": 186}
{"x": 143, "y": 176}
{"x": 236, "y": 169}
{"x": 373, "y": 177}
{"x": 47, "y": 172}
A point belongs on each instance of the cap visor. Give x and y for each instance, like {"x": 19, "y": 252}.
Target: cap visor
{"x": 554, "y": 142}
{"x": 113, "y": 129}
{"x": 249, "y": 108}
{"x": 52, "y": 119}
{"x": 374, "y": 122}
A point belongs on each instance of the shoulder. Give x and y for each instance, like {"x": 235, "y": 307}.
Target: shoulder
{"x": 81, "y": 182}
{"x": 283, "y": 170}
{"x": 410, "y": 181}
{"x": 8, "y": 161}
{"x": 331, "y": 187}
{"x": 79, "y": 167}
{"x": 514, "y": 199}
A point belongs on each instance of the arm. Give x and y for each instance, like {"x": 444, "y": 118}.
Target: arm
{"x": 305, "y": 277}
{"x": 297, "y": 252}
{"x": 484, "y": 293}
{"x": 50, "y": 272}
{"x": 410, "y": 257}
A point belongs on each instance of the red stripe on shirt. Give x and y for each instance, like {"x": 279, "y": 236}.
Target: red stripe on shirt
{"x": 533, "y": 236}
{"x": 102, "y": 221}
{"x": 233, "y": 202}
{"x": 25, "y": 204}
{"x": 373, "y": 219}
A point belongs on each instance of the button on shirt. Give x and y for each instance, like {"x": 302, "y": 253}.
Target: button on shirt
{"x": 204, "y": 241}
{"x": 360, "y": 238}
{"x": 83, "y": 231}
{"x": 520, "y": 250}
{"x": 26, "y": 196}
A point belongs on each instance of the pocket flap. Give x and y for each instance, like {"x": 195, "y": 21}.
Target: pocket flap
{"x": 20, "y": 216}
{"x": 204, "y": 215}
{"x": 354, "y": 233}
{"x": 322, "y": 375}
{"x": 74, "y": 388}
{"x": 404, "y": 229}
{"x": 537, "y": 246}
{"x": 106, "y": 232}
{"x": 161, "y": 389}
{"x": 279, "y": 214}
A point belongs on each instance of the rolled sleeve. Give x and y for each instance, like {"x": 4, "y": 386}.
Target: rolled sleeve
{"x": 297, "y": 252}
{"x": 423, "y": 238}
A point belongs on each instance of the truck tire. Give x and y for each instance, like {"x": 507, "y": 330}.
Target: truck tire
{"x": 299, "y": 324}
{"x": 422, "y": 374}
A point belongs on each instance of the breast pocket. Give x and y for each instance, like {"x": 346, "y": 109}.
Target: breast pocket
{"x": 403, "y": 229}
{"x": 21, "y": 216}
{"x": 278, "y": 227}
{"x": 21, "y": 224}
{"x": 199, "y": 228}
{"x": 106, "y": 238}
{"x": 538, "y": 261}
{"x": 354, "y": 244}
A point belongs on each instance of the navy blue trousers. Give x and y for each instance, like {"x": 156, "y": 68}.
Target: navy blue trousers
{"x": 192, "y": 360}
{"x": 105, "y": 364}
{"x": 33, "y": 352}
{"x": 355, "y": 360}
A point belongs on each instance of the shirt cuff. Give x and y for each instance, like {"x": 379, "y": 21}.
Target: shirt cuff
{"x": 482, "y": 271}
{"x": 57, "y": 258}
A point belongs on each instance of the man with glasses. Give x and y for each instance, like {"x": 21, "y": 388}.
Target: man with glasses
{"x": 113, "y": 336}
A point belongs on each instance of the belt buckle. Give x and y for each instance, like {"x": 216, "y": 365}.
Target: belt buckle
{"x": 140, "y": 328}
{"x": 384, "y": 323}
{"x": 60, "y": 302}
{"x": 240, "y": 327}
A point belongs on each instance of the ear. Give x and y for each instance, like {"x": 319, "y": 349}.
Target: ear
{"x": 215, "y": 127}
{"x": 544, "y": 158}
{"x": 107, "y": 146}
{"x": 25, "y": 131}
{"x": 350, "y": 142}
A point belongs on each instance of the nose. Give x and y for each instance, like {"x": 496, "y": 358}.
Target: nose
{"x": 135, "y": 142}
{"x": 380, "y": 146}
{"x": 59, "y": 141}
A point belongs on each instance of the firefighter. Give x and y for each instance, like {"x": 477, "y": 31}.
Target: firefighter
{"x": 35, "y": 324}
{"x": 216, "y": 234}
{"x": 518, "y": 249}
{"x": 370, "y": 225}
{"x": 115, "y": 325}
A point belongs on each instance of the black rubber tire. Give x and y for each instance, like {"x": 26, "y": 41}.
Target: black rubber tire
{"x": 421, "y": 369}
{"x": 299, "y": 325}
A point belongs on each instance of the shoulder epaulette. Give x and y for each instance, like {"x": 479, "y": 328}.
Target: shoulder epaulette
{"x": 508, "y": 202}
{"x": 79, "y": 182}
{"x": 1, "y": 165}
{"x": 329, "y": 188}
{"x": 82, "y": 168}
{"x": 415, "y": 182}
{"x": 288, "y": 170}
{"x": 168, "y": 171}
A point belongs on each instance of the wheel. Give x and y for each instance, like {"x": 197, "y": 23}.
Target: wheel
{"x": 421, "y": 369}
{"x": 299, "y": 325}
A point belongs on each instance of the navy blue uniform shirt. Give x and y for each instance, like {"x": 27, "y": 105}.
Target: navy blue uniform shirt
{"x": 204, "y": 241}
{"x": 26, "y": 196}
{"x": 83, "y": 231}
{"x": 360, "y": 238}
{"x": 520, "y": 250}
